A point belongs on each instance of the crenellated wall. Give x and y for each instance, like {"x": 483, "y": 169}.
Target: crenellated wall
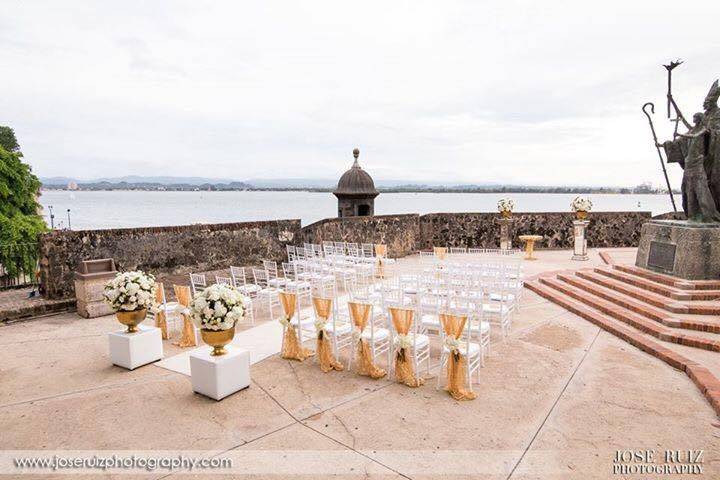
{"x": 179, "y": 249}
{"x": 182, "y": 249}
{"x": 482, "y": 230}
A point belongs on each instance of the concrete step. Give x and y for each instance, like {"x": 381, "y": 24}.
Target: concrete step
{"x": 638, "y": 306}
{"x": 628, "y": 317}
{"x": 705, "y": 381}
{"x": 654, "y": 299}
{"x": 668, "y": 279}
{"x": 659, "y": 288}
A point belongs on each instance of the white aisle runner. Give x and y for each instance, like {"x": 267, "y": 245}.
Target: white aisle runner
{"x": 262, "y": 341}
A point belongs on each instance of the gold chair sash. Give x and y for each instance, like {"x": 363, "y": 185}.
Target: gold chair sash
{"x": 402, "y": 319}
{"x": 440, "y": 252}
{"x": 380, "y": 250}
{"x": 360, "y": 314}
{"x": 325, "y": 355}
{"x": 160, "y": 316}
{"x": 453, "y": 326}
{"x": 187, "y": 339}
{"x": 291, "y": 347}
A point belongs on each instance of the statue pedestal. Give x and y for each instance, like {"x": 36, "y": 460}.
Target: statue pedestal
{"x": 689, "y": 250}
{"x": 506, "y": 233}
{"x": 580, "y": 248}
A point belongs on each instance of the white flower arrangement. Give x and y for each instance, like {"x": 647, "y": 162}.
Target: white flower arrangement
{"x": 581, "y": 204}
{"x": 218, "y": 307}
{"x": 130, "y": 291}
{"x": 505, "y": 205}
{"x": 403, "y": 341}
{"x": 452, "y": 343}
{"x": 320, "y": 324}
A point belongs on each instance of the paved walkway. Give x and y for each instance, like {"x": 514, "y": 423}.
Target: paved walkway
{"x": 557, "y": 399}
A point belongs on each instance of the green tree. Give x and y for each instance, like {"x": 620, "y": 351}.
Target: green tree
{"x": 8, "y": 140}
{"x": 20, "y": 223}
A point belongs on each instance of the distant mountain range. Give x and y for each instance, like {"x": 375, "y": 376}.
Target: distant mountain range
{"x": 164, "y": 180}
{"x": 136, "y": 182}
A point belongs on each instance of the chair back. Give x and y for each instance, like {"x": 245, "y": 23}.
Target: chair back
{"x": 197, "y": 282}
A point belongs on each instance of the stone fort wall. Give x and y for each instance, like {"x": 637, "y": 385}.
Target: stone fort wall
{"x": 188, "y": 248}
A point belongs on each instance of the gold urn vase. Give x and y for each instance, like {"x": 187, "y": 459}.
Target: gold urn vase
{"x": 218, "y": 339}
{"x": 581, "y": 214}
{"x": 131, "y": 319}
{"x": 506, "y": 213}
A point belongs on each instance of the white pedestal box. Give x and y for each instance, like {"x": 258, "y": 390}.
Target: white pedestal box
{"x": 218, "y": 377}
{"x": 132, "y": 350}
{"x": 580, "y": 246}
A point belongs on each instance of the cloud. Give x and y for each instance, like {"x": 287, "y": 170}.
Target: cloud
{"x": 517, "y": 92}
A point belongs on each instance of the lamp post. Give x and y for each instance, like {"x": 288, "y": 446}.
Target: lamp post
{"x": 52, "y": 218}
{"x": 68, "y": 214}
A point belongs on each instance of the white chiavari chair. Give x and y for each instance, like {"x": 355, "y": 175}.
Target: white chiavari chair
{"x": 198, "y": 282}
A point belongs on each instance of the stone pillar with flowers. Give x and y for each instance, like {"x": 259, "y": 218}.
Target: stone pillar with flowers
{"x": 581, "y": 206}
{"x": 130, "y": 295}
{"x": 220, "y": 370}
{"x": 505, "y": 207}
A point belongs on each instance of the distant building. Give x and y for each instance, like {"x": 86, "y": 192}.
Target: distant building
{"x": 356, "y": 192}
{"x": 72, "y": 186}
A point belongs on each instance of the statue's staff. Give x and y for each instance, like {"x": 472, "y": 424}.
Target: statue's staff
{"x": 657, "y": 147}
{"x": 671, "y": 101}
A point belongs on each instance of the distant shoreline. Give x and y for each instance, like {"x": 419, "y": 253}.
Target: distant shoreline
{"x": 221, "y": 188}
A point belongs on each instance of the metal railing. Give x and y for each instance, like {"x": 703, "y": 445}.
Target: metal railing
{"x": 18, "y": 264}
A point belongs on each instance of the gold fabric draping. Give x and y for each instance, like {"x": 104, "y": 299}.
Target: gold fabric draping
{"x": 187, "y": 339}
{"x": 291, "y": 347}
{"x": 453, "y": 326}
{"x": 380, "y": 254}
{"x": 440, "y": 252}
{"x": 160, "y": 316}
{"x": 402, "y": 319}
{"x": 326, "y": 357}
{"x": 360, "y": 313}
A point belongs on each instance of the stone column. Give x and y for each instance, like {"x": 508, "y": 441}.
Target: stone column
{"x": 580, "y": 249}
{"x": 506, "y": 233}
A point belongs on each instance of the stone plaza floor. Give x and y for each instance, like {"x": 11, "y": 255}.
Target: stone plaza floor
{"x": 557, "y": 399}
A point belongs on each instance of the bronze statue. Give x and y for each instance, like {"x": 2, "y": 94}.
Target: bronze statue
{"x": 698, "y": 153}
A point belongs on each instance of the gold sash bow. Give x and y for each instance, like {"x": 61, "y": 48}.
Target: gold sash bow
{"x": 160, "y": 315}
{"x": 453, "y": 326}
{"x": 183, "y": 295}
{"x": 440, "y": 252}
{"x": 380, "y": 254}
{"x": 291, "y": 348}
{"x": 360, "y": 313}
{"x": 402, "y": 319}
{"x": 326, "y": 358}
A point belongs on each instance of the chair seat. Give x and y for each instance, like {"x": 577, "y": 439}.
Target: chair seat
{"x": 169, "y": 307}
{"x": 483, "y": 327}
{"x": 430, "y": 321}
{"x": 304, "y": 322}
{"x": 421, "y": 340}
{"x": 508, "y": 297}
{"x": 474, "y": 349}
{"x": 380, "y": 334}
{"x": 277, "y": 282}
{"x": 298, "y": 285}
{"x": 248, "y": 288}
{"x": 497, "y": 309}
{"x": 338, "y": 328}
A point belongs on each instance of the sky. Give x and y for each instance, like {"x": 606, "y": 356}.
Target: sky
{"x": 514, "y": 92}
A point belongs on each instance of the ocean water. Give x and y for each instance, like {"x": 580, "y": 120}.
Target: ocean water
{"x": 118, "y": 209}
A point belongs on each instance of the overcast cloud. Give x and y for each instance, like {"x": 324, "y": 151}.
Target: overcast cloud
{"x": 477, "y": 91}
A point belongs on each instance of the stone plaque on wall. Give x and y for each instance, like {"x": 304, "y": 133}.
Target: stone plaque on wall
{"x": 662, "y": 255}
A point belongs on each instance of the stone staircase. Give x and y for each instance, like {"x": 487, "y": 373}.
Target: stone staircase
{"x": 653, "y": 312}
